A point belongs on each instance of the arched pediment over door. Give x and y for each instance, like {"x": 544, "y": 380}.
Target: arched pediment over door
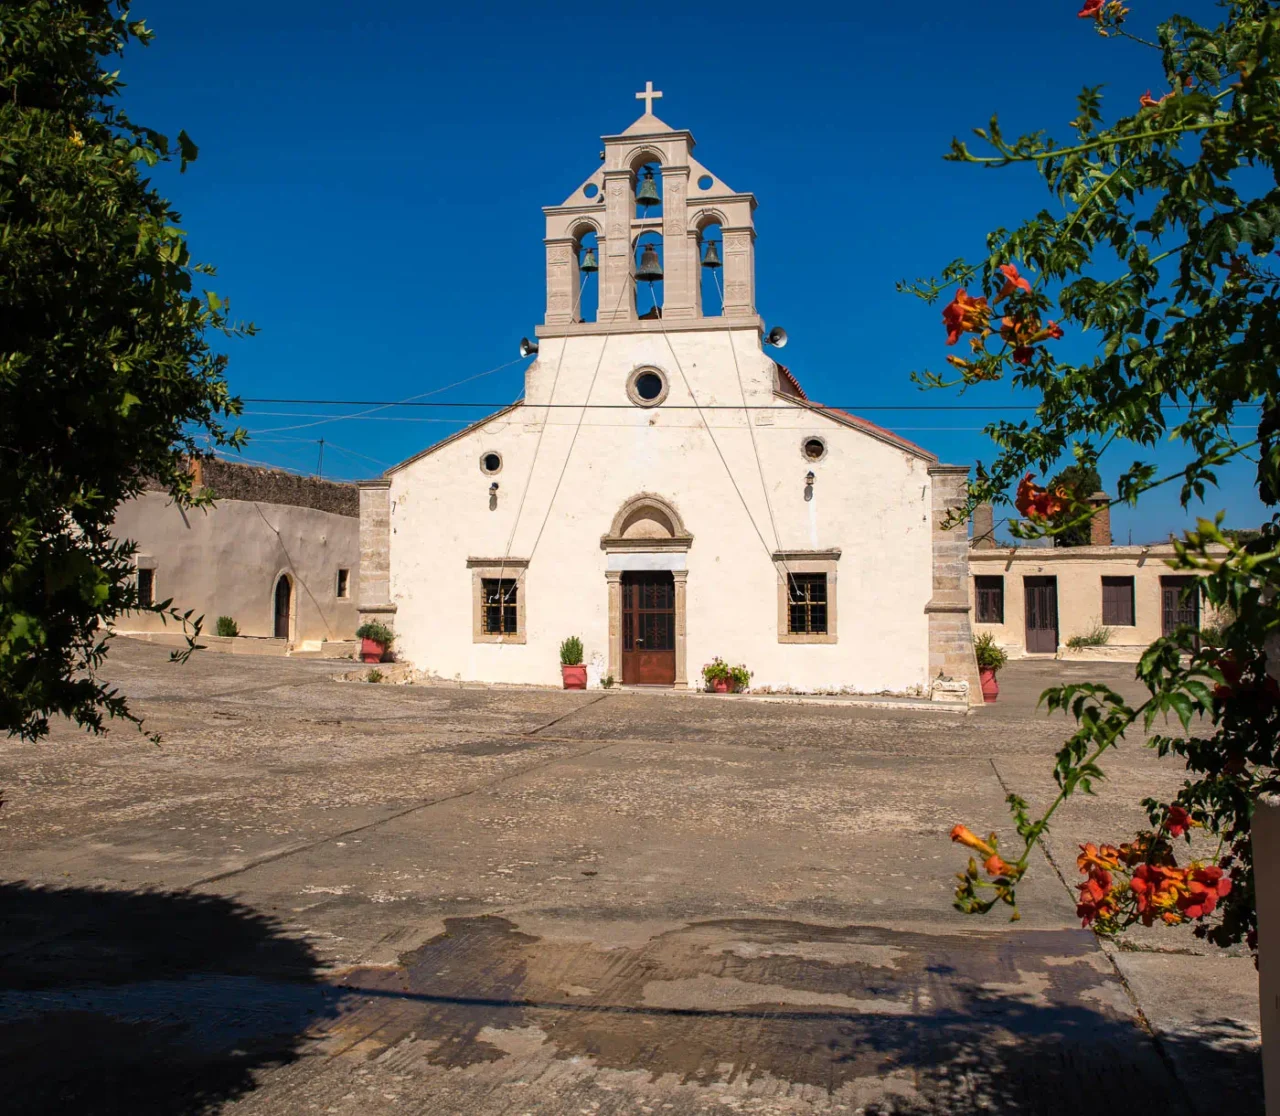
{"x": 647, "y": 545}
{"x": 647, "y": 522}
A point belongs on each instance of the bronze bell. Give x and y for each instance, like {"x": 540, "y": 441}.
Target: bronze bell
{"x": 711, "y": 258}
{"x": 647, "y": 191}
{"x": 589, "y": 262}
{"x": 650, "y": 269}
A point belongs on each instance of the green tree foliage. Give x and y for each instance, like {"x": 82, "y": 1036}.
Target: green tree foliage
{"x": 1083, "y": 481}
{"x": 106, "y": 376}
{"x": 1158, "y": 240}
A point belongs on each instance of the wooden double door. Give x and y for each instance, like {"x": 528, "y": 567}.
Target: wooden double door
{"x": 648, "y": 628}
{"x": 1042, "y": 614}
{"x": 1179, "y": 603}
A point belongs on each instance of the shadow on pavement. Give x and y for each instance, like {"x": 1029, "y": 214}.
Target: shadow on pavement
{"x": 145, "y": 1002}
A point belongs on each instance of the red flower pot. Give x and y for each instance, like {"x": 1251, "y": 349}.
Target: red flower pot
{"x": 721, "y": 686}
{"x": 371, "y": 651}
{"x": 575, "y": 677}
{"x": 990, "y": 687}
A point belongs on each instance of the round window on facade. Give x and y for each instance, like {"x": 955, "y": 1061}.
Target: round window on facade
{"x": 647, "y": 387}
{"x": 814, "y": 449}
{"x": 490, "y": 463}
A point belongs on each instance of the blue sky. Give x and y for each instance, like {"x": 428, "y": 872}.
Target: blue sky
{"x": 371, "y": 176}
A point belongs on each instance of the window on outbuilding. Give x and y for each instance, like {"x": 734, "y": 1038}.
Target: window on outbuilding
{"x": 146, "y": 587}
{"x": 807, "y": 603}
{"x": 989, "y": 597}
{"x": 344, "y": 583}
{"x": 499, "y": 614}
{"x": 1117, "y": 602}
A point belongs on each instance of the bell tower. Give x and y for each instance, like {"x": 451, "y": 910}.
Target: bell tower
{"x": 653, "y": 210}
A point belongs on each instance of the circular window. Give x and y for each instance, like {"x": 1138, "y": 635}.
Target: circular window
{"x": 490, "y": 463}
{"x": 647, "y": 387}
{"x": 814, "y": 449}
{"x": 706, "y": 182}
{"x": 591, "y": 189}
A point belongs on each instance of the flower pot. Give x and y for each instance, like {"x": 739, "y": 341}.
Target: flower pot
{"x": 721, "y": 686}
{"x": 371, "y": 651}
{"x": 990, "y": 687}
{"x": 575, "y": 677}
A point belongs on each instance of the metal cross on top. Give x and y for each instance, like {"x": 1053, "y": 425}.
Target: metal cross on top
{"x": 648, "y": 97}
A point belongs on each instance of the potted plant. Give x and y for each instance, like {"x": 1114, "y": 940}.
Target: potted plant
{"x": 572, "y": 671}
{"x": 722, "y": 678}
{"x": 375, "y": 641}
{"x": 990, "y": 659}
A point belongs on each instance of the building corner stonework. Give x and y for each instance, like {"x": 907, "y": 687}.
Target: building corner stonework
{"x": 373, "y": 593}
{"x": 951, "y": 652}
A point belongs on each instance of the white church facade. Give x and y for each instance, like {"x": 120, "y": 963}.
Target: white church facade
{"x": 664, "y": 489}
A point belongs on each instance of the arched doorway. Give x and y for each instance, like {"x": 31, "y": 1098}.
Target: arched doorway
{"x": 284, "y": 606}
{"x": 647, "y": 547}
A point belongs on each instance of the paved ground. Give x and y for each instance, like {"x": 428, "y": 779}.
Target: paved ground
{"x": 331, "y": 897}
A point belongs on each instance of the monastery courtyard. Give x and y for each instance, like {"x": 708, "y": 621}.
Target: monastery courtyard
{"x": 331, "y": 897}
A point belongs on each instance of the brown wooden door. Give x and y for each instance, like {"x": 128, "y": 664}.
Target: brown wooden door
{"x": 284, "y": 594}
{"x": 1042, "y": 614}
{"x": 649, "y": 628}
{"x": 1179, "y": 603}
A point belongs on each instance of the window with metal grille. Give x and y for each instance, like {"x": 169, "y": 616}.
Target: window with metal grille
{"x": 1117, "y": 601}
{"x": 344, "y": 583}
{"x": 807, "y": 601}
{"x": 146, "y": 587}
{"x": 989, "y": 595}
{"x": 499, "y": 605}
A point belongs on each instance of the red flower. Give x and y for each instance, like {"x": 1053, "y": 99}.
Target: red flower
{"x": 1157, "y": 889}
{"x": 1038, "y": 503}
{"x": 1179, "y": 821}
{"x": 1148, "y": 101}
{"x": 964, "y": 315}
{"x": 1092, "y": 9}
{"x": 1096, "y": 898}
{"x": 1204, "y": 887}
{"x": 1091, "y": 857}
{"x": 1053, "y": 331}
{"x": 1012, "y": 282}
{"x": 965, "y": 836}
{"x": 997, "y": 867}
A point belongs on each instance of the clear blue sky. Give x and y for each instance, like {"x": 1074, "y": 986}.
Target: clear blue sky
{"x": 371, "y": 176}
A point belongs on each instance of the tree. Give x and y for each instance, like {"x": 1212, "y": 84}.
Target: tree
{"x": 1082, "y": 481}
{"x": 107, "y": 378}
{"x": 1163, "y": 254}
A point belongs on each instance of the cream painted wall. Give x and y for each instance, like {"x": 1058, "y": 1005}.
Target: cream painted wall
{"x": 225, "y": 562}
{"x": 1079, "y": 571}
{"x": 870, "y": 499}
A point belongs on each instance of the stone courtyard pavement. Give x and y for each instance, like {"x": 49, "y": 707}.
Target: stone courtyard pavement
{"x": 328, "y": 897}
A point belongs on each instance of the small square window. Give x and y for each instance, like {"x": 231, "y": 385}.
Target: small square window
{"x": 499, "y": 601}
{"x": 1117, "y": 602}
{"x": 146, "y": 587}
{"x": 989, "y": 599}
{"x": 807, "y": 603}
{"x": 344, "y": 583}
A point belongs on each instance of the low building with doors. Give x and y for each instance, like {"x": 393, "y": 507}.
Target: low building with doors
{"x": 1035, "y": 599}
{"x": 278, "y": 553}
{"x": 665, "y": 490}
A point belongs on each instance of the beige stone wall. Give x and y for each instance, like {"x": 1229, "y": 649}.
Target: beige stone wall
{"x": 225, "y": 562}
{"x": 1079, "y": 572}
{"x": 871, "y": 500}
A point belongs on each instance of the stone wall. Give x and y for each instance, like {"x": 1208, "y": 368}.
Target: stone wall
{"x": 951, "y": 652}
{"x": 231, "y": 480}
{"x": 373, "y": 598}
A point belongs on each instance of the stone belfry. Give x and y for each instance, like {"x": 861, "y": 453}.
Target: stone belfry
{"x": 693, "y": 200}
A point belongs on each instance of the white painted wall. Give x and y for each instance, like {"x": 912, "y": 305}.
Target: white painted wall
{"x": 871, "y": 500}
{"x": 225, "y": 562}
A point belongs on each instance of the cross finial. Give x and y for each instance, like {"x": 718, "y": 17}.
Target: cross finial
{"x": 648, "y": 97}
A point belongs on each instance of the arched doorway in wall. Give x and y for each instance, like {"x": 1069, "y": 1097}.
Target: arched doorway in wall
{"x": 283, "y": 606}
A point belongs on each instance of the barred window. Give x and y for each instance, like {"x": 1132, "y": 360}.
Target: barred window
{"x": 499, "y": 597}
{"x": 807, "y": 603}
{"x": 1117, "y": 601}
{"x": 146, "y": 587}
{"x": 989, "y": 594}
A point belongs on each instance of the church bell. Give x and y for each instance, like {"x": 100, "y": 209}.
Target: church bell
{"x": 589, "y": 262}
{"x": 647, "y": 191}
{"x": 650, "y": 269}
{"x": 711, "y": 258}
